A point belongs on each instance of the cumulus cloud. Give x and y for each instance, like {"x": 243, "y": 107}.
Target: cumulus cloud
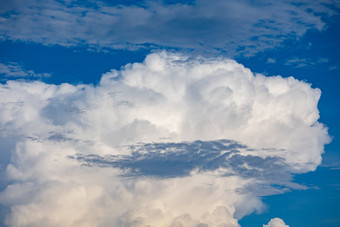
{"x": 172, "y": 141}
{"x": 276, "y": 222}
{"x": 233, "y": 27}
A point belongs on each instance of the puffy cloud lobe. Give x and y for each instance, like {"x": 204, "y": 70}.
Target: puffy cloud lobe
{"x": 218, "y": 99}
{"x": 167, "y": 99}
{"x": 276, "y": 222}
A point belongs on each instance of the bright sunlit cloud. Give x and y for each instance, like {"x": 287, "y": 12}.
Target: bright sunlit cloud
{"x": 172, "y": 141}
{"x": 276, "y": 222}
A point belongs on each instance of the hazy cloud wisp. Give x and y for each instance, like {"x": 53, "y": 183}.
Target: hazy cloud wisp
{"x": 232, "y": 27}
{"x": 13, "y": 70}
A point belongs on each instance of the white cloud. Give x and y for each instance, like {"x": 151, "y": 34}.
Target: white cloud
{"x": 14, "y": 70}
{"x": 167, "y": 99}
{"x": 276, "y": 222}
{"x": 234, "y": 27}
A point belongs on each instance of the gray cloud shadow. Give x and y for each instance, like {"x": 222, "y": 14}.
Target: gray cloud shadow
{"x": 166, "y": 160}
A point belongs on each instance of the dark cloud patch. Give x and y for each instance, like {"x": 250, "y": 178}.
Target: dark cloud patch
{"x": 180, "y": 159}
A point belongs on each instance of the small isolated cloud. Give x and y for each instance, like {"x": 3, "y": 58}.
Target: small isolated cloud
{"x": 333, "y": 67}
{"x": 172, "y": 141}
{"x": 235, "y": 27}
{"x": 271, "y": 61}
{"x": 14, "y": 70}
{"x": 276, "y": 222}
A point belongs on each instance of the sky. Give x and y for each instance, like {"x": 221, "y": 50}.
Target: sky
{"x": 170, "y": 113}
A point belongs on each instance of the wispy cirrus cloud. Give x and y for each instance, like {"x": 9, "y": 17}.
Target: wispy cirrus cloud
{"x": 13, "y": 70}
{"x": 89, "y": 155}
{"x": 305, "y": 62}
{"x": 231, "y": 27}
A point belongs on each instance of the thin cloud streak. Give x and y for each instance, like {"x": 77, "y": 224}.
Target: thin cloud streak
{"x": 13, "y": 70}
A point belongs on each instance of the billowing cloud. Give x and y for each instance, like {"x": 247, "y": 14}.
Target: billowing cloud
{"x": 276, "y": 222}
{"x": 172, "y": 141}
{"x": 232, "y": 27}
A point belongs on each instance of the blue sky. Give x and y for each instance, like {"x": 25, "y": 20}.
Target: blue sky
{"x": 128, "y": 101}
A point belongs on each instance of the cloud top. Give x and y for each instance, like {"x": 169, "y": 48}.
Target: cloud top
{"x": 276, "y": 222}
{"x": 209, "y": 99}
